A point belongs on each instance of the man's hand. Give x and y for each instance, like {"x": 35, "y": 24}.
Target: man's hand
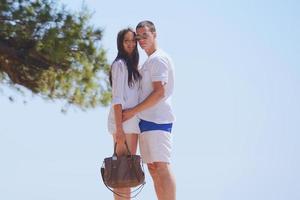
{"x": 157, "y": 94}
{"x": 127, "y": 114}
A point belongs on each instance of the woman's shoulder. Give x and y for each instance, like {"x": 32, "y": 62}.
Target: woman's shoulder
{"x": 118, "y": 64}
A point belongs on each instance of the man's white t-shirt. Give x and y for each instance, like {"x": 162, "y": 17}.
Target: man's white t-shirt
{"x": 158, "y": 67}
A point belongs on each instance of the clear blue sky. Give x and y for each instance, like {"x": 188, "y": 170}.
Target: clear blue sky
{"x": 236, "y": 100}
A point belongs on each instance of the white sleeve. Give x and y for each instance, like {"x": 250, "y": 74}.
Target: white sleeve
{"x": 118, "y": 80}
{"x": 159, "y": 71}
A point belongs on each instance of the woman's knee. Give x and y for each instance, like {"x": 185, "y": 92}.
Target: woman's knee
{"x": 124, "y": 191}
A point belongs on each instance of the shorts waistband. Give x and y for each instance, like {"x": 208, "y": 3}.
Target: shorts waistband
{"x": 151, "y": 126}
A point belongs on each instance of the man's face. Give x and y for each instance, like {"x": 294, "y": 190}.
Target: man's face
{"x": 146, "y": 38}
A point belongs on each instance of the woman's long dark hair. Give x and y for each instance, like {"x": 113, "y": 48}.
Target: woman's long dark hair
{"x": 131, "y": 61}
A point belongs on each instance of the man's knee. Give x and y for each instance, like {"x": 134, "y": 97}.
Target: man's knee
{"x": 159, "y": 169}
{"x": 152, "y": 169}
{"x": 162, "y": 168}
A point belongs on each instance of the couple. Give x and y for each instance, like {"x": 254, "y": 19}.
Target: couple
{"x": 141, "y": 107}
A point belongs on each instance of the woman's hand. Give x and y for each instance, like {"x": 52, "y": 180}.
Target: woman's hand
{"x": 120, "y": 136}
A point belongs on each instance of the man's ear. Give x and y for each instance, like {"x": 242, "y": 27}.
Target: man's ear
{"x": 154, "y": 34}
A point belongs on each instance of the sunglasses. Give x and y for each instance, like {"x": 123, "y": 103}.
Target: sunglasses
{"x": 142, "y": 37}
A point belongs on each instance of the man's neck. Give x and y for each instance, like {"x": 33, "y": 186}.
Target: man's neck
{"x": 149, "y": 53}
{"x": 152, "y": 50}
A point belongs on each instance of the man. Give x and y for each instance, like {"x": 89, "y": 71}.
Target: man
{"x": 155, "y": 113}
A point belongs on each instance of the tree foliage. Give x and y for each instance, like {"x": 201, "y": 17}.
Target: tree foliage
{"x": 52, "y": 52}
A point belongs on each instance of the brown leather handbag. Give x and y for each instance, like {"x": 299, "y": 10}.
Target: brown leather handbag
{"x": 122, "y": 171}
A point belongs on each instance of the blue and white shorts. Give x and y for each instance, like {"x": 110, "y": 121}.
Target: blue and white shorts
{"x": 155, "y": 142}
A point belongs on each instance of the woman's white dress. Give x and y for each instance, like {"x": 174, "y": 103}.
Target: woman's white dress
{"x": 124, "y": 95}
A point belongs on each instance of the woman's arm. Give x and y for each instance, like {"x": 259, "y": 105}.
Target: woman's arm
{"x": 120, "y": 135}
{"x": 118, "y": 80}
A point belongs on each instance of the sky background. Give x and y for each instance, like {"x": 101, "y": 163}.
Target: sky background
{"x": 236, "y": 101}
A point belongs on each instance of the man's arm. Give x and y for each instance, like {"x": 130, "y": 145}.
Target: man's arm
{"x": 157, "y": 94}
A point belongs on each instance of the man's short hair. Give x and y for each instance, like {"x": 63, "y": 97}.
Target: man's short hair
{"x": 148, "y": 24}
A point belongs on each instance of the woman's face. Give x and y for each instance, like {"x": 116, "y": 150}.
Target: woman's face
{"x": 129, "y": 42}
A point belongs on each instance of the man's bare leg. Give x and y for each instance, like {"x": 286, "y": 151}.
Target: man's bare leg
{"x": 164, "y": 180}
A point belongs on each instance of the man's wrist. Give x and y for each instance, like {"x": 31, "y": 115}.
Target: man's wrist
{"x": 135, "y": 110}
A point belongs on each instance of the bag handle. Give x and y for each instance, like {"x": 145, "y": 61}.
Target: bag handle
{"x": 127, "y": 148}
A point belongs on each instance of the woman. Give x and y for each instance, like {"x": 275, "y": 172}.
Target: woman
{"x": 124, "y": 79}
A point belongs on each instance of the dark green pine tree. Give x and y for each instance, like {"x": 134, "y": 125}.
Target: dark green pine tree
{"x": 52, "y": 52}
